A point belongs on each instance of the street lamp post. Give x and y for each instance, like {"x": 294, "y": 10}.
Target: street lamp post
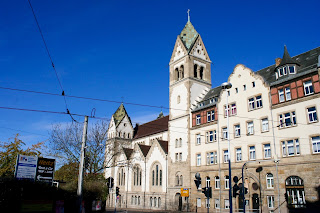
{"x": 225, "y": 86}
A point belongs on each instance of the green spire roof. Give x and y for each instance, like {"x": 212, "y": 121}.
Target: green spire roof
{"x": 119, "y": 115}
{"x": 188, "y": 35}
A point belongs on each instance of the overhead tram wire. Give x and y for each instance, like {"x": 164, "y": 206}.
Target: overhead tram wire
{"x": 150, "y": 127}
{"x": 52, "y": 64}
{"x": 129, "y": 103}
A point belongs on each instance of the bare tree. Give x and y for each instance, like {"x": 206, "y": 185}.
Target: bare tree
{"x": 65, "y": 144}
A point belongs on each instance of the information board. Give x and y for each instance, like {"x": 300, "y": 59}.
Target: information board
{"x": 45, "y": 169}
{"x": 26, "y": 167}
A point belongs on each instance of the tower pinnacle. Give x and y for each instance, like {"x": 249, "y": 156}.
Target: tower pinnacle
{"x": 188, "y": 15}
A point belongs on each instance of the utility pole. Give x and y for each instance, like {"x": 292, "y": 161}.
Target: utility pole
{"x": 83, "y": 148}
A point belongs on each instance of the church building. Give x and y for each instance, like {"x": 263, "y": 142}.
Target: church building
{"x": 270, "y": 118}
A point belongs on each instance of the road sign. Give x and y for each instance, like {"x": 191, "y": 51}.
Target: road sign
{"x": 184, "y": 192}
{"x": 26, "y": 167}
{"x": 45, "y": 169}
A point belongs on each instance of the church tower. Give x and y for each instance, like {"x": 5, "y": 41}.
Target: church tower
{"x": 190, "y": 78}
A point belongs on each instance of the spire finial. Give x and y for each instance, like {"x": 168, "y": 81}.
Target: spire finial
{"x": 188, "y": 15}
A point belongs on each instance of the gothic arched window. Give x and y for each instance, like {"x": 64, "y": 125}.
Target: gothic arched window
{"x": 156, "y": 175}
{"x": 195, "y": 70}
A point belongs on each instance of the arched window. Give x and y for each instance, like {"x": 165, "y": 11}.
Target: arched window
{"x": 270, "y": 184}
{"x": 177, "y": 180}
{"x": 217, "y": 182}
{"x": 159, "y": 202}
{"x": 180, "y": 142}
{"x": 207, "y": 181}
{"x": 195, "y": 70}
{"x": 135, "y": 200}
{"x": 124, "y": 179}
{"x": 177, "y": 143}
{"x": 124, "y": 135}
{"x": 119, "y": 134}
{"x": 155, "y": 202}
{"x": 134, "y": 178}
{"x": 178, "y": 99}
{"x": 201, "y": 73}
{"x": 128, "y": 135}
{"x": 181, "y": 72}
{"x": 119, "y": 178}
{"x": 181, "y": 180}
{"x": 151, "y": 200}
{"x": 140, "y": 177}
{"x": 139, "y": 200}
{"x": 132, "y": 200}
{"x": 157, "y": 174}
{"x": 295, "y": 192}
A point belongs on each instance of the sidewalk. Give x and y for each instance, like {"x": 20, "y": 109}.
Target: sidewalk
{"x": 123, "y": 210}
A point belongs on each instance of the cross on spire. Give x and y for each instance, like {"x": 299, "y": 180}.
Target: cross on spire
{"x": 188, "y": 15}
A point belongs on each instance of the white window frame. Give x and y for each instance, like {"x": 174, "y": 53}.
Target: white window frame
{"x": 291, "y": 116}
{"x": 198, "y": 159}
{"x": 290, "y": 144}
{"x": 226, "y": 204}
{"x": 264, "y": 125}
{"x": 225, "y": 133}
{"x": 217, "y": 203}
{"x": 270, "y": 201}
{"x": 217, "y": 182}
{"x": 294, "y": 69}
{"x": 270, "y": 181}
{"x": 208, "y": 117}
{"x": 198, "y": 119}
{"x": 281, "y": 95}
{"x": 226, "y": 182}
{"x": 198, "y": 138}
{"x": 251, "y": 103}
{"x": 238, "y": 155}
{"x": 315, "y": 144}
{"x": 258, "y": 99}
{"x": 237, "y": 130}
{"x": 180, "y": 156}
{"x": 267, "y": 150}
{"x": 212, "y": 158}
{"x": 225, "y": 156}
{"x": 252, "y": 153}
{"x": 207, "y": 203}
{"x": 308, "y": 88}
{"x": 312, "y": 114}
{"x": 177, "y": 157}
{"x": 250, "y": 128}
{"x": 287, "y": 92}
{"x": 233, "y": 109}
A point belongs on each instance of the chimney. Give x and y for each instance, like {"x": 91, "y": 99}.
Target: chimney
{"x": 278, "y": 61}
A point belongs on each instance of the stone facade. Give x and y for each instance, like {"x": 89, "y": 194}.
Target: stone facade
{"x": 272, "y": 122}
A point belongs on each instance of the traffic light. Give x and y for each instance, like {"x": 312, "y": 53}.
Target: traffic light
{"x": 207, "y": 191}
{"x": 197, "y": 181}
{"x": 117, "y": 191}
{"x": 236, "y": 190}
{"x": 110, "y": 182}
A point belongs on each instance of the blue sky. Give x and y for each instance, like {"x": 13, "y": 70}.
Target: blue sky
{"x": 113, "y": 49}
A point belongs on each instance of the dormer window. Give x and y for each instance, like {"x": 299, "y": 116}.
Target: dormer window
{"x": 284, "y": 70}
{"x": 201, "y": 104}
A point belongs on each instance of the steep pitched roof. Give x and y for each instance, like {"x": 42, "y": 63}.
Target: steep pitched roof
{"x": 120, "y": 114}
{"x": 188, "y": 35}
{"x": 308, "y": 64}
{"x": 144, "y": 149}
{"x": 212, "y": 93}
{"x": 164, "y": 145}
{"x": 152, "y": 127}
{"x": 127, "y": 152}
{"x": 286, "y": 59}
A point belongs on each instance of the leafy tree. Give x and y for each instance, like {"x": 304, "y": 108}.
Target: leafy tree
{"x": 9, "y": 152}
{"x": 68, "y": 172}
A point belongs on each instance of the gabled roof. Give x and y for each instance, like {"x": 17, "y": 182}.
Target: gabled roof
{"x": 164, "y": 145}
{"x": 213, "y": 93}
{"x": 120, "y": 114}
{"x": 152, "y": 127}
{"x": 127, "y": 152}
{"x": 144, "y": 149}
{"x": 188, "y": 35}
{"x": 308, "y": 64}
{"x": 286, "y": 59}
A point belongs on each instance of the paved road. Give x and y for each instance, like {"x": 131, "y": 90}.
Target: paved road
{"x": 136, "y": 210}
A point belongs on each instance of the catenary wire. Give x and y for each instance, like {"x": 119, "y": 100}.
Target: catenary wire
{"x": 51, "y": 60}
